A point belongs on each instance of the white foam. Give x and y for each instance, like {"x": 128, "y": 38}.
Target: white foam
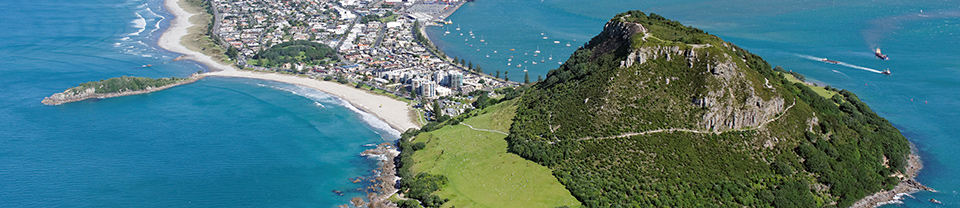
{"x": 321, "y": 97}
{"x": 152, "y": 16}
{"x": 140, "y": 23}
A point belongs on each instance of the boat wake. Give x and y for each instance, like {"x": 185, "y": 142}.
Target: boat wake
{"x": 814, "y": 58}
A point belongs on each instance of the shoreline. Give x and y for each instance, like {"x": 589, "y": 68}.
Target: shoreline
{"x": 391, "y": 111}
{"x": 906, "y": 186}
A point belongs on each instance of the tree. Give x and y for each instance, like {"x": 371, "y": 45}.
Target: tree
{"x": 470, "y": 65}
{"x": 359, "y": 85}
{"x": 498, "y": 74}
{"x": 479, "y": 70}
{"x": 456, "y": 60}
{"x": 437, "y": 110}
{"x": 463, "y": 62}
{"x": 232, "y": 52}
{"x": 539, "y": 78}
{"x": 526, "y": 77}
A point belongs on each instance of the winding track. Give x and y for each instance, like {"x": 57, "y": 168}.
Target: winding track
{"x": 691, "y": 130}
{"x": 486, "y": 130}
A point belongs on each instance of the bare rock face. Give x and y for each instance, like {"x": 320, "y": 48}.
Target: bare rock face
{"x": 735, "y": 103}
{"x": 615, "y": 35}
{"x": 731, "y": 103}
{"x": 643, "y": 54}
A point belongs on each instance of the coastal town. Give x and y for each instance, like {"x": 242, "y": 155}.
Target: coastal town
{"x": 378, "y": 45}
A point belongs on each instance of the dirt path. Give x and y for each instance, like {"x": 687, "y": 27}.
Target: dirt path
{"x": 695, "y": 131}
{"x": 486, "y": 130}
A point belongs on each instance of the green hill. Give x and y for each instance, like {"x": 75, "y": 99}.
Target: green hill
{"x": 654, "y": 113}
{"x": 467, "y": 165}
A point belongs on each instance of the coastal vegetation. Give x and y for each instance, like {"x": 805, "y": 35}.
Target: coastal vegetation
{"x": 620, "y": 129}
{"x": 200, "y": 37}
{"x": 294, "y": 52}
{"x": 125, "y": 83}
{"x": 115, "y": 87}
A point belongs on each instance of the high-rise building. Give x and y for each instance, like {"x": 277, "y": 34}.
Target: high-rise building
{"x": 428, "y": 89}
{"x": 455, "y": 80}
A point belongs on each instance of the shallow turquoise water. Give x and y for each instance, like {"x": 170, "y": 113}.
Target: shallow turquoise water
{"x": 219, "y": 142}
{"x": 923, "y": 50}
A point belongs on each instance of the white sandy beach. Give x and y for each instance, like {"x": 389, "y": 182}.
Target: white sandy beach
{"x": 394, "y": 112}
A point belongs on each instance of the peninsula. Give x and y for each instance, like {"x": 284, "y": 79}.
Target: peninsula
{"x": 116, "y": 87}
{"x": 653, "y": 113}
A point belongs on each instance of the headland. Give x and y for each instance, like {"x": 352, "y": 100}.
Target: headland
{"x": 908, "y": 185}
{"x": 92, "y": 90}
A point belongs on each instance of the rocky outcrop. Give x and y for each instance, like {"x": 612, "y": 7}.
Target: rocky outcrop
{"x": 615, "y": 35}
{"x": 908, "y": 185}
{"x": 385, "y": 181}
{"x": 734, "y": 103}
{"x": 74, "y": 95}
{"x": 731, "y": 103}
{"x": 644, "y": 54}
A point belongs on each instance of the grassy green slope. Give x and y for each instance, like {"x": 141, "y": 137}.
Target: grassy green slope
{"x": 480, "y": 171}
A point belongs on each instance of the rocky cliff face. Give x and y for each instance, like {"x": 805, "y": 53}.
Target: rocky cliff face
{"x": 731, "y": 102}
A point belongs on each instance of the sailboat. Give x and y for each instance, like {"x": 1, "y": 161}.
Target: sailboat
{"x": 458, "y": 27}
{"x": 481, "y": 39}
{"x": 568, "y": 44}
{"x": 538, "y": 50}
{"x": 447, "y": 32}
{"x": 551, "y": 56}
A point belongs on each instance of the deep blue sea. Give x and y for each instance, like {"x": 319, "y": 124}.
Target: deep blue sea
{"x": 922, "y": 38}
{"x": 219, "y": 142}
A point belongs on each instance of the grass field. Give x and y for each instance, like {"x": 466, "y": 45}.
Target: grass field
{"x": 480, "y": 171}
{"x": 820, "y": 90}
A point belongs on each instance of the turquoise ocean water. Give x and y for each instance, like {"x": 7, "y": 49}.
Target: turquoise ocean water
{"x": 922, "y": 38}
{"x": 219, "y": 142}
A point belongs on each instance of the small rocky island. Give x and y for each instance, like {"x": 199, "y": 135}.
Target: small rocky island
{"x": 116, "y": 87}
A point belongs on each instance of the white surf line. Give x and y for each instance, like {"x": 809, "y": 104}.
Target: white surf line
{"x": 814, "y": 58}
